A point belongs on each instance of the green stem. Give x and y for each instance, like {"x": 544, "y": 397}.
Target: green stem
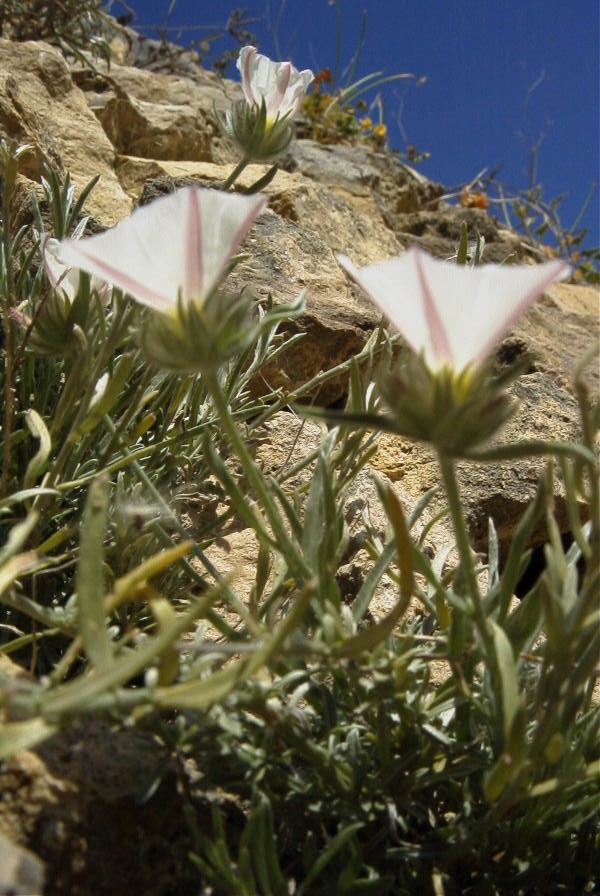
{"x": 6, "y": 272}
{"x": 230, "y": 595}
{"x": 126, "y": 418}
{"x": 281, "y": 536}
{"x": 8, "y": 399}
{"x": 459, "y": 523}
{"x": 236, "y": 173}
{"x": 463, "y": 671}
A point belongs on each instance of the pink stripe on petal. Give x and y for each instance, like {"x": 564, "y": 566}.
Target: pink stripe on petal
{"x": 555, "y": 271}
{"x": 282, "y": 82}
{"x": 246, "y": 73}
{"x": 118, "y": 277}
{"x": 193, "y": 274}
{"x": 237, "y": 238}
{"x": 438, "y": 337}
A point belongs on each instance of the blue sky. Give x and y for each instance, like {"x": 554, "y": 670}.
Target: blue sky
{"x": 501, "y": 77}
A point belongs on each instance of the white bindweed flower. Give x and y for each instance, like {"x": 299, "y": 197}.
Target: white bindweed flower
{"x": 60, "y": 275}
{"x": 278, "y": 84}
{"x": 260, "y": 124}
{"x": 452, "y": 314}
{"x": 175, "y": 250}
{"x": 64, "y": 277}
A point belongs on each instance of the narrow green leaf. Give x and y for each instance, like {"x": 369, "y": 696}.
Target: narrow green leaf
{"x": 112, "y": 392}
{"x": 17, "y": 537}
{"x": 249, "y": 513}
{"x": 15, "y": 567}
{"x": 507, "y": 678}
{"x": 90, "y": 576}
{"x": 493, "y": 556}
{"x": 404, "y": 547}
{"x": 335, "y": 845}
{"x": 463, "y": 246}
{"x": 513, "y": 567}
{"x": 199, "y": 694}
{"x": 26, "y": 494}
{"x": 38, "y": 462}
{"x": 362, "y": 600}
{"x": 314, "y": 531}
{"x": 78, "y": 695}
{"x": 260, "y": 838}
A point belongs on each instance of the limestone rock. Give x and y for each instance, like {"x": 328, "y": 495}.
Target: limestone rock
{"x": 380, "y": 178}
{"x": 158, "y": 116}
{"x": 20, "y": 870}
{"x": 75, "y": 801}
{"x": 324, "y": 200}
{"x": 40, "y": 105}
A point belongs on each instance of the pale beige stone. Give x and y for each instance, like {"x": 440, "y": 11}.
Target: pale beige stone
{"x": 40, "y": 105}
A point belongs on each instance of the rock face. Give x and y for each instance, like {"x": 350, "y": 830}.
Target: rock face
{"x": 157, "y": 116}
{"x": 146, "y": 133}
{"x": 40, "y": 105}
{"x": 77, "y": 801}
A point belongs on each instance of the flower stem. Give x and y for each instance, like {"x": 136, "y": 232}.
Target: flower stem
{"x": 290, "y": 551}
{"x": 6, "y": 270}
{"x": 221, "y": 580}
{"x": 236, "y": 173}
{"x": 448, "y": 471}
{"x": 8, "y": 400}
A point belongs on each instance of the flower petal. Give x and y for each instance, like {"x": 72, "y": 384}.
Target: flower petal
{"x": 504, "y": 293}
{"x": 452, "y": 313}
{"x": 394, "y": 287}
{"x": 283, "y": 73}
{"x": 224, "y": 221}
{"x": 178, "y": 245}
{"x": 279, "y": 84}
{"x": 246, "y": 65}
{"x": 60, "y": 275}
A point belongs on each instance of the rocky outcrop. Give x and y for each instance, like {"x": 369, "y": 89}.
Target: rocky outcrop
{"x": 40, "y": 105}
{"x": 157, "y": 116}
{"x": 145, "y": 133}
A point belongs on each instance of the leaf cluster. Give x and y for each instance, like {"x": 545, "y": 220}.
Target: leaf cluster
{"x": 449, "y": 744}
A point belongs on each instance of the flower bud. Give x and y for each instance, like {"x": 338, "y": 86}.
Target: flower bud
{"x": 259, "y": 137}
{"x": 453, "y": 411}
{"x": 199, "y": 337}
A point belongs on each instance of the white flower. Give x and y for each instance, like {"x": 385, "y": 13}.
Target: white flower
{"x": 176, "y": 248}
{"x": 452, "y": 313}
{"x": 278, "y": 84}
{"x": 62, "y": 276}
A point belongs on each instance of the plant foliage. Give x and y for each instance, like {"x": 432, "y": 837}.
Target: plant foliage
{"x": 451, "y": 746}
